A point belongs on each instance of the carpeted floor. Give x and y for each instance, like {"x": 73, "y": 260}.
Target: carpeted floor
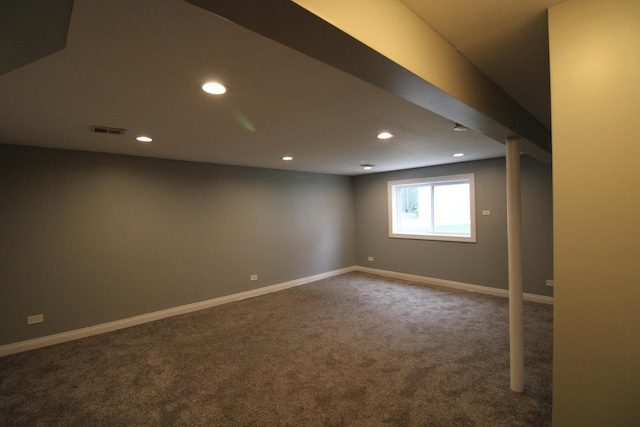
{"x": 352, "y": 350}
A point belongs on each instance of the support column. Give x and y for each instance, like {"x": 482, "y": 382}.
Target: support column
{"x": 514, "y": 243}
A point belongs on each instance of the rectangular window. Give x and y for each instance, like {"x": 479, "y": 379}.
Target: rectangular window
{"x": 441, "y": 208}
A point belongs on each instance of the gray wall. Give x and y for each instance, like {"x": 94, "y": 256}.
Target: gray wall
{"x": 482, "y": 263}
{"x": 90, "y": 238}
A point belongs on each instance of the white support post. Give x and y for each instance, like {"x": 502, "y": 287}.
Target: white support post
{"x": 514, "y": 243}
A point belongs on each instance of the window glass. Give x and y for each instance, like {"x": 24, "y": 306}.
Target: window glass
{"x": 433, "y": 208}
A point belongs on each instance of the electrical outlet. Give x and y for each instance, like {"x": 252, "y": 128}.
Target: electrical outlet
{"x": 549, "y": 282}
{"x": 370, "y": 259}
{"x": 486, "y": 212}
{"x": 253, "y": 277}
{"x": 37, "y": 318}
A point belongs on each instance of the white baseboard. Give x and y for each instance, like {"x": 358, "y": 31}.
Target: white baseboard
{"x": 542, "y": 299}
{"x": 60, "y": 338}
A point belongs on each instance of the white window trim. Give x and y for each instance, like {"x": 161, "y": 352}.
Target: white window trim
{"x": 438, "y": 179}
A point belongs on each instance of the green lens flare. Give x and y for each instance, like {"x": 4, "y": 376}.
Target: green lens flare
{"x": 243, "y": 120}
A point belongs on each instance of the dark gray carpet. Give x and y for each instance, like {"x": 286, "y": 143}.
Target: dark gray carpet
{"x": 352, "y": 350}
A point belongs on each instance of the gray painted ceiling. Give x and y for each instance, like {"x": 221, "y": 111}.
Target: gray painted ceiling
{"x": 139, "y": 65}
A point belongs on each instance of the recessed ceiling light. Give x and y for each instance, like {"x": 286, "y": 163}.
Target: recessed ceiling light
{"x": 385, "y": 135}
{"x": 367, "y": 166}
{"x": 214, "y": 88}
{"x": 458, "y": 155}
{"x": 287, "y": 158}
{"x": 143, "y": 139}
{"x": 459, "y": 128}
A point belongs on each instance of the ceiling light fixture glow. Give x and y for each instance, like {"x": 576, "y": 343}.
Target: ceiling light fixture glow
{"x": 214, "y": 88}
{"x": 458, "y": 155}
{"x": 367, "y": 166}
{"x": 460, "y": 128}
{"x": 287, "y": 158}
{"x": 385, "y": 135}
{"x": 143, "y": 139}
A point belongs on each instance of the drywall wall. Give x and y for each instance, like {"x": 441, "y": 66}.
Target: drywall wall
{"x": 482, "y": 263}
{"x": 595, "y": 90}
{"x": 91, "y": 238}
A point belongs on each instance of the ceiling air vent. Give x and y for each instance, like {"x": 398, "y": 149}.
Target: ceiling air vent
{"x": 104, "y": 129}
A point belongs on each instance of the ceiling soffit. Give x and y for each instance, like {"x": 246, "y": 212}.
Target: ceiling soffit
{"x": 17, "y": 42}
{"x": 291, "y": 25}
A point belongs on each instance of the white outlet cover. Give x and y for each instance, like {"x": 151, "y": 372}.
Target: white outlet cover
{"x": 38, "y": 318}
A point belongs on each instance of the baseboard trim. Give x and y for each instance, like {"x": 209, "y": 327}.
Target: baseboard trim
{"x": 542, "y": 299}
{"x": 63, "y": 337}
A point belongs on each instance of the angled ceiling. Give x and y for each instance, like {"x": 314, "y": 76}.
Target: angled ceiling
{"x": 139, "y": 65}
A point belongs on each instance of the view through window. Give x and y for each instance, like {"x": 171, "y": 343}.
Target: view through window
{"x": 439, "y": 208}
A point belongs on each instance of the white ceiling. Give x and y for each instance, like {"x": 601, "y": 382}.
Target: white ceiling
{"x": 506, "y": 39}
{"x": 139, "y": 65}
